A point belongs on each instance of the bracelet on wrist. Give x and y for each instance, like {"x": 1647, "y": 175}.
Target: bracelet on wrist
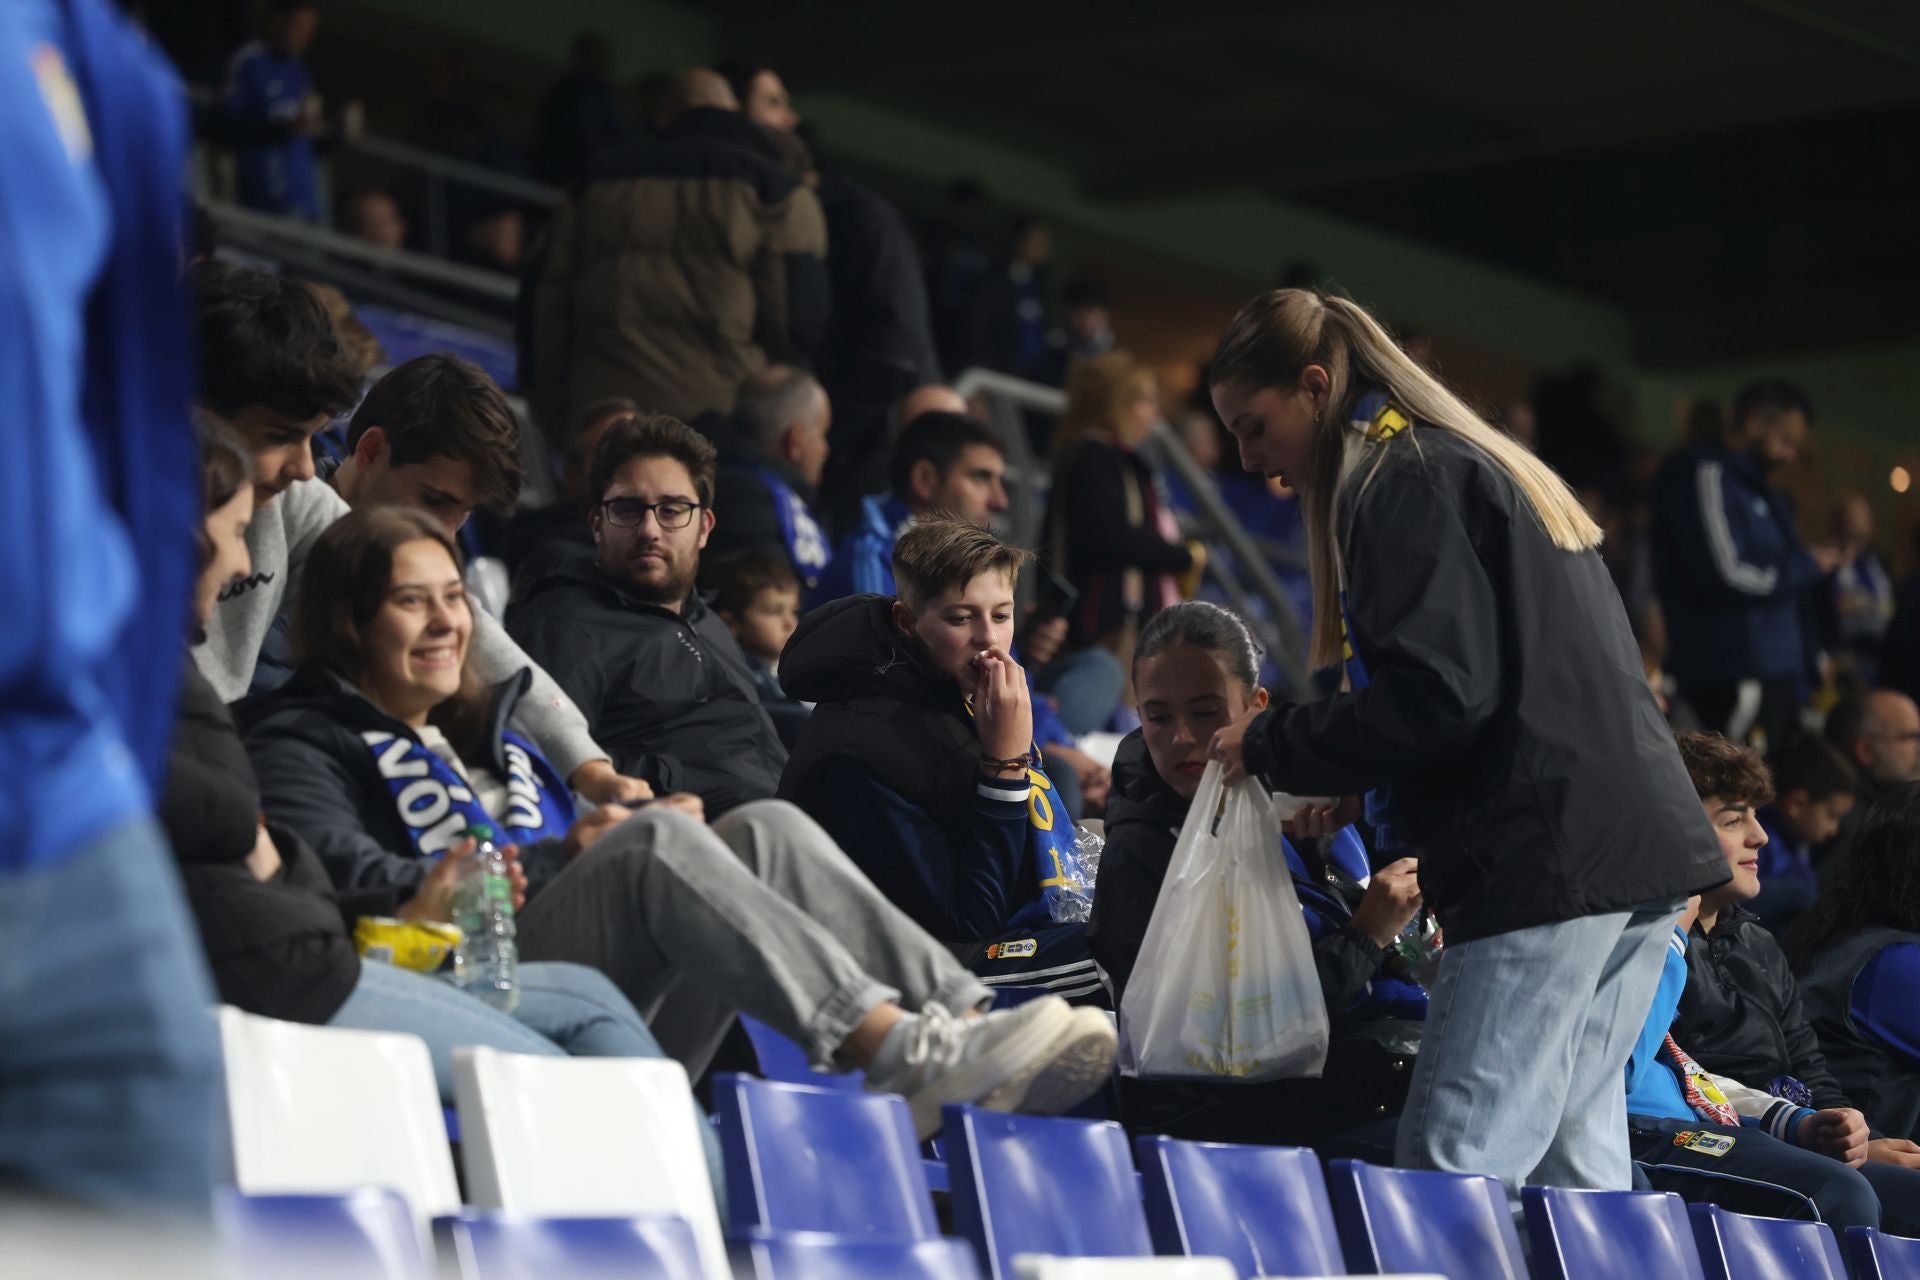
{"x": 994, "y": 764}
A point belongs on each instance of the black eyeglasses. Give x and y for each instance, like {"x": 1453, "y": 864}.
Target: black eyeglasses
{"x": 671, "y": 513}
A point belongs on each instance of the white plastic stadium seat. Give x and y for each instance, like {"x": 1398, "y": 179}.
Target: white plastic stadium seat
{"x": 317, "y": 1109}
{"x": 586, "y": 1137}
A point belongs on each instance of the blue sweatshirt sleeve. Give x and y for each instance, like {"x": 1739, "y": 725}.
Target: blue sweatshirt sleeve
{"x": 1885, "y": 1001}
{"x": 1666, "y": 1001}
{"x": 960, "y": 885}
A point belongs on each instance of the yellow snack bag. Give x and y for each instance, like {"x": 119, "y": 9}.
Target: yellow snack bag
{"x": 422, "y": 946}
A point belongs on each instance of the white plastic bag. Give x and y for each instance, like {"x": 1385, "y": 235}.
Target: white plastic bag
{"x": 1225, "y": 985}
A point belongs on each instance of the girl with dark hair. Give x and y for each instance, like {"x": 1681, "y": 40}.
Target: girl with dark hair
{"x": 275, "y": 931}
{"x": 1195, "y": 671}
{"x": 1496, "y": 717}
{"x": 1857, "y": 952}
{"x": 380, "y": 752}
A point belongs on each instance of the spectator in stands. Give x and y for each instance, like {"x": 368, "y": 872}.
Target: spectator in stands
{"x": 580, "y": 116}
{"x": 1879, "y": 734}
{"x": 1862, "y": 589}
{"x": 771, "y": 462}
{"x": 763, "y": 96}
{"x": 943, "y": 462}
{"x": 435, "y": 434}
{"x": 919, "y": 759}
{"x": 1195, "y": 671}
{"x": 1010, "y": 309}
{"x": 109, "y": 1066}
{"x": 879, "y": 340}
{"x": 959, "y": 253}
{"x": 1498, "y": 722}
{"x": 274, "y": 115}
{"x": 662, "y": 682}
{"x": 692, "y": 923}
{"x": 1740, "y": 1015}
{"x": 1732, "y": 576}
{"x": 1088, "y": 330}
{"x": 757, "y": 596}
{"x": 374, "y": 216}
{"x": 274, "y": 929}
{"x": 930, "y": 397}
{"x": 1109, "y": 532}
{"x": 1814, "y": 790}
{"x": 704, "y": 224}
{"x": 1857, "y": 953}
{"x": 492, "y": 236}
{"x": 538, "y": 538}
{"x": 273, "y": 368}
{"x": 1715, "y": 1140}
{"x": 947, "y": 463}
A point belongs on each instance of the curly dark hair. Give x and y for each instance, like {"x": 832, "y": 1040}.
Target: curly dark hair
{"x": 1877, "y": 886}
{"x": 1723, "y": 770}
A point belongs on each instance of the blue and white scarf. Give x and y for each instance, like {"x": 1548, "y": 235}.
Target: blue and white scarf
{"x": 806, "y": 544}
{"x": 437, "y": 806}
{"x": 1055, "y": 847}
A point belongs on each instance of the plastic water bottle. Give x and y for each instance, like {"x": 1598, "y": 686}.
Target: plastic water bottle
{"x": 487, "y": 961}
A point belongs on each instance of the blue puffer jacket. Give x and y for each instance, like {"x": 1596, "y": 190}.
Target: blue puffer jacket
{"x": 1732, "y": 576}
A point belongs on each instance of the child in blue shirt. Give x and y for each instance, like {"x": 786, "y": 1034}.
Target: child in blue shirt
{"x": 274, "y": 116}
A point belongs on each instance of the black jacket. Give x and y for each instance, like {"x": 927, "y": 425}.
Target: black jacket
{"x": 1103, "y": 537}
{"x": 278, "y": 948}
{"x": 1530, "y": 769}
{"x": 669, "y": 695}
{"x": 318, "y": 777}
{"x": 1880, "y": 1079}
{"x": 1740, "y": 1014}
{"x": 1369, "y": 1060}
{"x": 889, "y": 764}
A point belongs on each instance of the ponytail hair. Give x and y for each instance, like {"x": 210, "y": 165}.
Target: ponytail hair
{"x": 1207, "y": 628}
{"x": 1272, "y": 341}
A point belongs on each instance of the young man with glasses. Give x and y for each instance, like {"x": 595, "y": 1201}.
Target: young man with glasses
{"x": 661, "y": 680}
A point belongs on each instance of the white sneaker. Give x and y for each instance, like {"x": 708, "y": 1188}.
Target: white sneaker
{"x": 1041, "y": 1057}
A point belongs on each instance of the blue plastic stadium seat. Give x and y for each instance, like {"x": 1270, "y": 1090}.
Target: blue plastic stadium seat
{"x": 1451, "y": 1224}
{"x": 1043, "y": 1184}
{"x": 499, "y": 1246}
{"x": 1609, "y": 1235}
{"x": 782, "y": 1059}
{"x": 1263, "y": 1208}
{"x": 1875, "y": 1255}
{"x": 1734, "y": 1246}
{"x": 370, "y": 1232}
{"x": 814, "y": 1256}
{"x": 801, "y": 1158}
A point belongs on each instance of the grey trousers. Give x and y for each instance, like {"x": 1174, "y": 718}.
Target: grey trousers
{"x": 1522, "y": 1066}
{"x": 760, "y": 913}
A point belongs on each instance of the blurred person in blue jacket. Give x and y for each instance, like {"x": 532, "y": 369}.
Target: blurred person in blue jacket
{"x": 109, "y": 1071}
{"x": 1736, "y": 583}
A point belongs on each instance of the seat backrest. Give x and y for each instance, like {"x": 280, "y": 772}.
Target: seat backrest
{"x": 1734, "y": 1246}
{"x": 369, "y": 1233}
{"x": 806, "y": 1159}
{"x": 1037, "y": 1266}
{"x": 500, "y": 1246}
{"x": 1043, "y": 1184}
{"x": 1263, "y": 1208}
{"x": 585, "y": 1137}
{"x": 1454, "y": 1224}
{"x": 1875, "y": 1255}
{"x": 807, "y": 1255}
{"x": 1609, "y": 1235}
{"x": 782, "y": 1059}
{"x": 318, "y": 1109}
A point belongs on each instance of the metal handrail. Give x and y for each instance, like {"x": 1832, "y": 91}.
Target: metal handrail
{"x": 487, "y": 284}
{"x": 1280, "y": 628}
{"x": 464, "y": 172}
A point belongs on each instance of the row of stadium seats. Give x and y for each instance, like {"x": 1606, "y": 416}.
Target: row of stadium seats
{"x": 595, "y": 1166}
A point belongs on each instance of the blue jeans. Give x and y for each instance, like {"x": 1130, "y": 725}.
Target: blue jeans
{"x": 1087, "y": 684}
{"x": 1759, "y": 1175}
{"x": 110, "y": 1078}
{"x": 564, "y": 1010}
{"x": 1522, "y": 1066}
